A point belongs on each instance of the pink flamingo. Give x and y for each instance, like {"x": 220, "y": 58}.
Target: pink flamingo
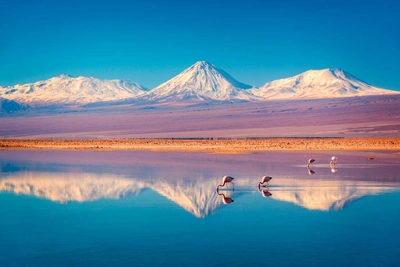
{"x": 226, "y": 180}
{"x": 310, "y": 161}
{"x": 333, "y": 161}
{"x": 264, "y": 179}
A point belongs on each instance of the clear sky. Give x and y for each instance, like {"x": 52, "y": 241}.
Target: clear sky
{"x": 150, "y": 41}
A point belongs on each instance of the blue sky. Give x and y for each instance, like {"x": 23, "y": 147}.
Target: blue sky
{"x": 149, "y": 41}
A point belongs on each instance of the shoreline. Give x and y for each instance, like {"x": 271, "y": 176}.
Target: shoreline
{"x": 223, "y": 146}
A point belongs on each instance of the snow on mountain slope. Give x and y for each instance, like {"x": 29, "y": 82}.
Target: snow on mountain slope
{"x": 201, "y": 81}
{"x": 326, "y": 83}
{"x": 65, "y": 89}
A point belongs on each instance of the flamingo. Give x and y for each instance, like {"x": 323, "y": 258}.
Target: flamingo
{"x": 333, "y": 161}
{"x": 264, "y": 179}
{"x": 310, "y": 161}
{"x": 226, "y": 180}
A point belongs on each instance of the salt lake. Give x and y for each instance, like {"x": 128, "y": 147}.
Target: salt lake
{"x": 141, "y": 208}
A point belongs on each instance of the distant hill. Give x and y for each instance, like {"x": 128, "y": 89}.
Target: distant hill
{"x": 10, "y": 106}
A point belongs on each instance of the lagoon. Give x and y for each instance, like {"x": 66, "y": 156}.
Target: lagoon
{"x": 138, "y": 208}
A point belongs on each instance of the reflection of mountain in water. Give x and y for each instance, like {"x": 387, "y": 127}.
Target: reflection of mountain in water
{"x": 199, "y": 198}
{"x": 67, "y": 187}
{"x": 196, "y": 196}
{"x": 325, "y": 194}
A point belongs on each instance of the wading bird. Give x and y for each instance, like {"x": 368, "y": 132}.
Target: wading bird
{"x": 333, "y": 161}
{"x": 226, "y": 180}
{"x": 264, "y": 179}
{"x": 310, "y": 161}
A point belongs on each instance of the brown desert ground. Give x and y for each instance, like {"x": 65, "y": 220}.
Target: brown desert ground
{"x": 231, "y": 146}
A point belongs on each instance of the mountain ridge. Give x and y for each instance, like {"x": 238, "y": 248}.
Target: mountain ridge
{"x": 199, "y": 83}
{"x": 66, "y": 89}
{"x": 10, "y": 106}
{"x": 323, "y": 83}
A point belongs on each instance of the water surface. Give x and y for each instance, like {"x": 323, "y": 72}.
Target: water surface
{"x": 86, "y": 208}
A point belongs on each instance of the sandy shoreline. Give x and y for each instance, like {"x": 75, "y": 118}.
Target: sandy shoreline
{"x": 230, "y": 146}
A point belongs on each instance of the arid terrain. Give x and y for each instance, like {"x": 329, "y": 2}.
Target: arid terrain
{"x": 211, "y": 146}
{"x": 373, "y": 116}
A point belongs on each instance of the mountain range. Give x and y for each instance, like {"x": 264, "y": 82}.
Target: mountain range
{"x": 66, "y": 90}
{"x": 199, "y": 83}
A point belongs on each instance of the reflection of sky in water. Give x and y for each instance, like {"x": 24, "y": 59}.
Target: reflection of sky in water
{"x": 148, "y": 214}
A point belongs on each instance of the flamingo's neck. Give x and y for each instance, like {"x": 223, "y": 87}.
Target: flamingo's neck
{"x": 220, "y": 185}
{"x": 221, "y": 194}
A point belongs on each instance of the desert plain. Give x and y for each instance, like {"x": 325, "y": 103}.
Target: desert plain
{"x": 230, "y": 146}
{"x": 356, "y": 123}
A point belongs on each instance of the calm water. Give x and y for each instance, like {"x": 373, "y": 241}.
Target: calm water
{"x": 64, "y": 208}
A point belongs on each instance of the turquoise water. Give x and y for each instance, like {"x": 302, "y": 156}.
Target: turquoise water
{"x": 162, "y": 209}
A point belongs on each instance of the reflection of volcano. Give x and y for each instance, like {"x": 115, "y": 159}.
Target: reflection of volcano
{"x": 196, "y": 196}
{"x": 326, "y": 194}
{"x": 65, "y": 187}
{"x": 199, "y": 198}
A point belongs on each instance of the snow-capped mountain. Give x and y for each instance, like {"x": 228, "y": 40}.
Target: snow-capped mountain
{"x": 326, "y": 83}
{"x": 65, "y": 89}
{"x": 201, "y": 81}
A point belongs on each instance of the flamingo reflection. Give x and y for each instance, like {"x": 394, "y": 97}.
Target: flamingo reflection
{"x": 226, "y": 200}
{"x": 265, "y": 192}
{"x": 225, "y": 181}
{"x": 310, "y": 172}
{"x": 333, "y": 169}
